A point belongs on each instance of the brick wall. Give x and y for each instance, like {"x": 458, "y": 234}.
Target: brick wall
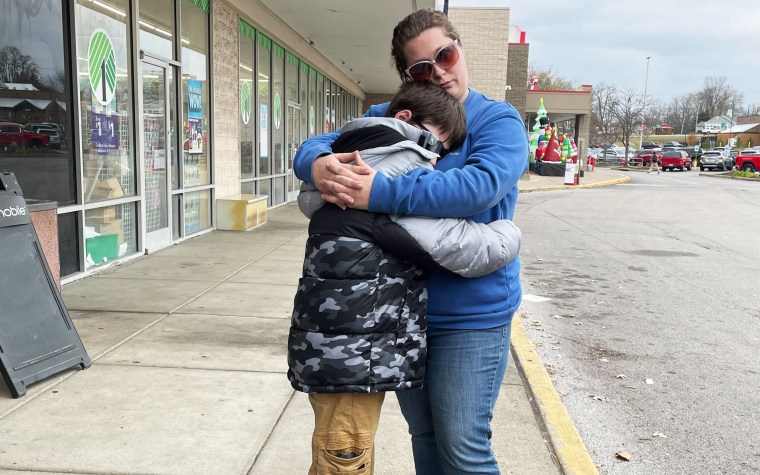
{"x": 485, "y": 34}
{"x": 226, "y": 101}
{"x": 373, "y": 99}
{"x": 517, "y": 76}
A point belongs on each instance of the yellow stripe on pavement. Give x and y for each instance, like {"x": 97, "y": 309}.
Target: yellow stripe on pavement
{"x": 568, "y": 445}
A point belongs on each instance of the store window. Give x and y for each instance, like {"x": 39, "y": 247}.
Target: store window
{"x": 278, "y": 124}
{"x": 105, "y": 126}
{"x": 331, "y": 102}
{"x": 264, "y": 74}
{"x": 312, "y": 102}
{"x": 195, "y": 93}
{"x": 35, "y": 107}
{"x": 247, "y": 100}
{"x": 303, "y": 94}
{"x": 157, "y": 27}
{"x": 196, "y": 113}
{"x": 291, "y": 73}
{"x": 320, "y": 106}
{"x": 278, "y": 109}
{"x": 196, "y": 212}
{"x": 109, "y": 233}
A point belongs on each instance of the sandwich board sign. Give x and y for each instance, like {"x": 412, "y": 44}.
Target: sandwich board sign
{"x": 37, "y": 336}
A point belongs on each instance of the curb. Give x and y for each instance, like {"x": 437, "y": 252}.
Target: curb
{"x": 616, "y": 181}
{"x": 572, "y": 454}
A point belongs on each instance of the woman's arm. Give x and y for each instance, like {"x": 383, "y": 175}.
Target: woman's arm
{"x": 315, "y": 155}
{"x": 498, "y": 155}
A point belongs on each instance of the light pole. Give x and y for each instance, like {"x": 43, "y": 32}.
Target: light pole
{"x": 644, "y": 100}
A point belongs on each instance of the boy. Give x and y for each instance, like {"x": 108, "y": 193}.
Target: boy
{"x": 359, "y": 318}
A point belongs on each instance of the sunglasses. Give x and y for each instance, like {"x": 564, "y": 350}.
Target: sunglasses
{"x": 445, "y": 58}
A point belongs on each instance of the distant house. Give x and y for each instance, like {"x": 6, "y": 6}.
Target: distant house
{"x": 700, "y": 127}
{"x": 718, "y": 124}
{"x": 663, "y": 129}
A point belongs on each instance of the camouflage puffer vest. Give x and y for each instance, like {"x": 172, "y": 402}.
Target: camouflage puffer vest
{"x": 359, "y": 319}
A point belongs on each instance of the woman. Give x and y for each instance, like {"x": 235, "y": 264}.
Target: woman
{"x": 469, "y": 320}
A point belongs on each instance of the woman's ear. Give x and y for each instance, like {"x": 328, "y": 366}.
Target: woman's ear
{"x": 405, "y": 115}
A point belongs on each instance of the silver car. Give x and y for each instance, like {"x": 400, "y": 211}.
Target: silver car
{"x": 715, "y": 160}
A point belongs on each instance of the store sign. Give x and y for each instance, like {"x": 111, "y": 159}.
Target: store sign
{"x": 264, "y": 131}
{"x": 277, "y": 111}
{"x": 245, "y": 102}
{"x": 101, "y": 64}
{"x": 104, "y": 132}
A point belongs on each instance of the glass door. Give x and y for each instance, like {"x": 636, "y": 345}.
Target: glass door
{"x": 158, "y": 150}
{"x": 294, "y": 134}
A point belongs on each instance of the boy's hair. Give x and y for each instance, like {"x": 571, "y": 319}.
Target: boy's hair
{"x": 411, "y": 27}
{"x": 432, "y": 104}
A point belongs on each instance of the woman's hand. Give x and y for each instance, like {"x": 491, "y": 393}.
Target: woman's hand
{"x": 344, "y": 179}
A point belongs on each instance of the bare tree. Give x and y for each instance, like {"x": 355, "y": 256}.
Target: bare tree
{"x": 681, "y": 112}
{"x": 656, "y": 113}
{"x": 752, "y": 109}
{"x": 604, "y": 129}
{"x": 717, "y": 97}
{"x": 17, "y": 67}
{"x": 549, "y": 80}
{"x": 628, "y": 108}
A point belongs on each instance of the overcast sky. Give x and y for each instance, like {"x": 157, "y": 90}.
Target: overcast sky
{"x": 593, "y": 41}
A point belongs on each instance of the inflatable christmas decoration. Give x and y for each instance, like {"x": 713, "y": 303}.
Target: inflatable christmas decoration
{"x": 552, "y": 153}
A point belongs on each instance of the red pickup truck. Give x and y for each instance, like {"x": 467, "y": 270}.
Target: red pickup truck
{"x": 13, "y": 136}
{"x": 748, "y": 163}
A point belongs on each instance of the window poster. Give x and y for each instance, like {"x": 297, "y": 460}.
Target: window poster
{"x": 264, "y": 127}
{"x": 194, "y": 116}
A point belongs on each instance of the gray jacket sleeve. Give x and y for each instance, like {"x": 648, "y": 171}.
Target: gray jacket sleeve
{"x": 465, "y": 247}
{"x": 309, "y": 200}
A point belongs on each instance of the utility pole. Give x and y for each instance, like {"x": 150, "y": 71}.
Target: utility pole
{"x": 643, "y": 103}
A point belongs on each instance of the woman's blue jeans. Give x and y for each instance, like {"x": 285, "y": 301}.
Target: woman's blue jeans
{"x": 450, "y": 417}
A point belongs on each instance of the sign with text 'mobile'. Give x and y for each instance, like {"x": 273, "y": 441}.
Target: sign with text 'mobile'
{"x": 37, "y": 336}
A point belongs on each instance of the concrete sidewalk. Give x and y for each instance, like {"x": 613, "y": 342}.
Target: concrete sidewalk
{"x": 188, "y": 376}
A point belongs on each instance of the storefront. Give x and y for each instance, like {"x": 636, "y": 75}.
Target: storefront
{"x": 124, "y": 90}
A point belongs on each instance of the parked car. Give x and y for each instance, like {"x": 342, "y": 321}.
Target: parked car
{"x": 694, "y": 152}
{"x": 671, "y": 143}
{"x": 715, "y": 159}
{"x": 673, "y": 159}
{"x": 649, "y": 145}
{"x": 55, "y": 138}
{"x": 750, "y": 151}
{"x": 13, "y": 136}
{"x": 644, "y": 157}
{"x": 748, "y": 163}
{"x": 612, "y": 155}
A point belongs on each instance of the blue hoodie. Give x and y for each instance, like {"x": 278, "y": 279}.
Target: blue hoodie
{"x": 477, "y": 181}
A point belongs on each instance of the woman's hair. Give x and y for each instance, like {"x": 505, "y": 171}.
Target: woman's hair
{"x": 411, "y": 27}
{"x": 432, "y": 104}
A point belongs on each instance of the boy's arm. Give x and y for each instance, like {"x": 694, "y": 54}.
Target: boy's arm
{"x": 465, "y": 247}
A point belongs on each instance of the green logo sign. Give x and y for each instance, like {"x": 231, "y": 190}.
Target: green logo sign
{"x": 312, "y": 120}
{"x": 277, "y": 112}
{"x": 245, "y": 101}
{"x": 102, "y": 66}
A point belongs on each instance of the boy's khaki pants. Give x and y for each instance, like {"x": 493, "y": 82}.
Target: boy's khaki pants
{"x": 344, "y": 432}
